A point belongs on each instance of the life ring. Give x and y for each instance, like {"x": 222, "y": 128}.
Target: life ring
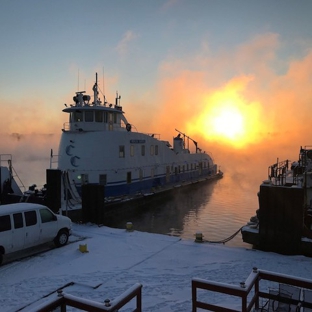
{"x": 128, "y": 127}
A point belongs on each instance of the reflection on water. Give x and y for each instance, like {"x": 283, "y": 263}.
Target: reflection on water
{"x": 217, "y": 209}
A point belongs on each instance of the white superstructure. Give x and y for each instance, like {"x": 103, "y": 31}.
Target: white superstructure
{"x": 98, "y": 146}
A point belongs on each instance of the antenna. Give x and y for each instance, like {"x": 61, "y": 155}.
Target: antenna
{"x": 103, "y": 82}
{"x": 78, "y": 79}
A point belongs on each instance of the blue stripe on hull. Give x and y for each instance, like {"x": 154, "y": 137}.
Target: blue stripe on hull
{"x": 145, "y": 186}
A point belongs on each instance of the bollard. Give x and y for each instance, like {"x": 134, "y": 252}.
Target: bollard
{"x": 83, "y": 248}
{"x": 198, "y": 237}
{"x": 107, "y": 303}
{"x": 129, "y": 226}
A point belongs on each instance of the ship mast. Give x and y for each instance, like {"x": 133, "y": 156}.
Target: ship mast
{"x": 188, "y": 138}
{"x": 95, "y": 90}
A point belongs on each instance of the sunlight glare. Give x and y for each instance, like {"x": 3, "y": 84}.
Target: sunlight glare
{"x": 228, "y": 118}
{"x": 229, "y": 123}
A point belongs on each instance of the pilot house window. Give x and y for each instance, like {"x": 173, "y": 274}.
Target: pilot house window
{"x": 98, "y": 116}
{"x": 89, "y": 116}
{"x": 77, "y": 116}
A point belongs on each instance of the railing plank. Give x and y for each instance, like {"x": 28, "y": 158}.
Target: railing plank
{"x": 251, "y": 283}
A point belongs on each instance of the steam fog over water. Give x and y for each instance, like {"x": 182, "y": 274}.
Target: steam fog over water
{"x": 217, "y": 209}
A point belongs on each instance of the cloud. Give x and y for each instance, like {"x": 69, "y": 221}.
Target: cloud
{"x": 123, "y": 46}
{"x": 275, "y": 104}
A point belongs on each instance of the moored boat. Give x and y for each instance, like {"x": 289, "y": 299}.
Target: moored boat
{"x": 99, "y": 147}
{"x": 283, "y": 222}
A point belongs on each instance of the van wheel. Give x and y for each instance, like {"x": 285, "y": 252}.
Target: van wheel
{"x": 61, "y": 239}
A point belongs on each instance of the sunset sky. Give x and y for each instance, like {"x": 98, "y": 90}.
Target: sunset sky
{"x": 234, "y": 75}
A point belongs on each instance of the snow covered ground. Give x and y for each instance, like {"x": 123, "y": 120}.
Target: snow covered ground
{"x": 118, "y": 259}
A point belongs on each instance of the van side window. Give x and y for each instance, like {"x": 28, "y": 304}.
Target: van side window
{"x": 46, "y": 215}
{"x": 5, "y": 223}
{"x": 30, "y": 218}
{"x": 18, "y": 220}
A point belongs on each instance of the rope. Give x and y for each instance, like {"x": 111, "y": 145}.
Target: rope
{"x": 224, "y": 240}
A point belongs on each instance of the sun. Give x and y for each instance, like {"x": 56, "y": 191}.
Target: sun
{"x": 228, "y": 122}
{"x": 228, "y": 118}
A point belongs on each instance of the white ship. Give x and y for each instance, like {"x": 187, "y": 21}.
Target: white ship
{"x": 99, "y": 146}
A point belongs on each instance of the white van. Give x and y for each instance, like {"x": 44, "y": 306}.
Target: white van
{"x": 24, "y": 225}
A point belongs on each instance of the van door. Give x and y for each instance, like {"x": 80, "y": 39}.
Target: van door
{"x": 48, "y": 225}
{"x": 32, "y": 229}
{"x": 6, "y": 233}
{"x": 18, "y": 232}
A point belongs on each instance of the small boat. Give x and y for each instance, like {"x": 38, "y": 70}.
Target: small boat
{"x": 10, "y": 184}
{"x": 12, "y": 189}
{"x": 100, "y": 148}
{"x": 283, "y": 222}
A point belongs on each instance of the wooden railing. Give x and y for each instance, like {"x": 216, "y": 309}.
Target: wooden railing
{"x": 62, "y": 300}
{"x": 249, "y": 300}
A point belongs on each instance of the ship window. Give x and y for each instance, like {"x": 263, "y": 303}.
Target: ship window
{"x": 152, "y": 150}
{"x": 187, "y": 167}
{"x": 131, "y": 150}
{"x": 89, "y": 116}
{"x": 98, "y": 116}
{"x": 105, "y": 117}
{"x": 115, "y": 118}
{"x": 129, "y": 177}
{"x": 103, "y": 179}
{"x": 143, "y": 150}
{"x": 156, "y": 149}
{"x": 110, "y": 117}
{"x": 77, "y": 116}
{"x": 121, "y": 151}
{"x": 175, "y": 170}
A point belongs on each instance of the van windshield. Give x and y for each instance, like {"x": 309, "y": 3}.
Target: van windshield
{"x": 46, "y": 215}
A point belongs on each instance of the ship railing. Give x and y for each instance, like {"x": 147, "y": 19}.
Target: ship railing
{"x": 53, "y": 160}
{"x": 60, "y": 301}
{"x": 66, "y": 126}
{"x": 7, "y": 158}
{"x": 99, "y": 126}
{"x": 252, "y": 295}
{"x": 277, "y": 172}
